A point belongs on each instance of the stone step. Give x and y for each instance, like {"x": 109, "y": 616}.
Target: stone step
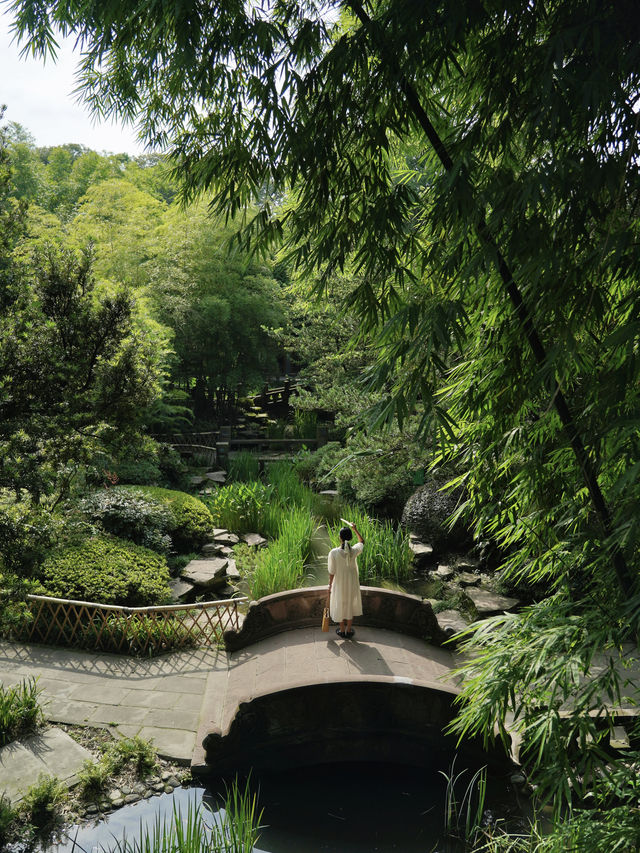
{"x": 206, "y": 573}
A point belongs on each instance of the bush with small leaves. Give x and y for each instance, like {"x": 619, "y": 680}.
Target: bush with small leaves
{"x": 109, "y": 571}
{"x": 192, "y": 521}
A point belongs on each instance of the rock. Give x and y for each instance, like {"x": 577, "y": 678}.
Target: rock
{"x": 518, "y": 779}
{"x": 115, "y": 795}
{"x": 168, "y": 789}
{"x": 197, "y": 480}
{"x": 426, "y": 514}
{"x": 467, "y": 565}
{"x": 451, "y": 621}
{"x": 166, "y": 774}
{"x": 422, "y": 552}
{"x": 467, "y": 579}
{"x": 233, "y": 572}
{"x": 217, "y": 476}
{"x": 158, "y": 787}
{"x": 227, "y": 591}
{"x": 226, "y": 550}
{"x": 443, "y": 573}
{"x": 219, "y": 531}
{"x": 488, "y": 603}
{"x": 329, "y": 493}
{"x": 180, "y": 589}
{"x": 206, "y": 573}
{"x": 210, "y": 549}
{"x": 619, "y": 739}
{"x": 226, "y": 538}
{"x": 92, "y": 809}
{"x": 254, "y": 539}
{"x": 117, "y": 804}
{"x": 131, "y": 798}
{"x": 173, "y": 781}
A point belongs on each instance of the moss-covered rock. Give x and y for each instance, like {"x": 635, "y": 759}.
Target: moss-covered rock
{"x": 427, "y": 512}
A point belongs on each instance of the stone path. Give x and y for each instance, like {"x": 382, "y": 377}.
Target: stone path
{"x": 158, "y": 698}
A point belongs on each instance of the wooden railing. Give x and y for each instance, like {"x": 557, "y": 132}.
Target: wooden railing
{"x": 128, "y": 630}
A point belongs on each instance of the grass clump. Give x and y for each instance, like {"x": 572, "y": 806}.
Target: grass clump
{"x": 386, "y": 554}
{"x": 242, "y": 507}
{"x": 41, "y": 806}
{"x": 107, "y": 570}
{"x": 7, "y": 819}
{"x": 135, "y": 754}
{"x": 20, "y": 711}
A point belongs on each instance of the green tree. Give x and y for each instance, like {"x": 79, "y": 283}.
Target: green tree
{"x": 221, "y": 306}
{"x": 118, "y": 219}
{"x": 498, "y": 266}
{"x": 78, "y": 371}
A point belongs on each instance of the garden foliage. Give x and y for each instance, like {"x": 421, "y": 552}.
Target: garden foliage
{"x": 107, "y": 570}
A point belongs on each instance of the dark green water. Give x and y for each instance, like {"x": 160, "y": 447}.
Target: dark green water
{"x": 343, "y": 808}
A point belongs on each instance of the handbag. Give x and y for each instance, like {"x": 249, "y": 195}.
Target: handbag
{"x": 325, "y": 619}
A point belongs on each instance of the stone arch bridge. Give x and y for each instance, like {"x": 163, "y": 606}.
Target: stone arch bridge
{"x": 294, "y": 696}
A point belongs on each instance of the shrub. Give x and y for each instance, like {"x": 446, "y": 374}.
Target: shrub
{"x": 20, "y": 711}
{"x": 140, "y": 472}
{"x": 192, "y": 521}
{"x": 7, "y": 818}
{"x": 129, "y": 516}
{"x": 107, "y": 570}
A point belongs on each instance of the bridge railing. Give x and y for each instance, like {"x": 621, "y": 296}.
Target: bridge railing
{"x": 127, "y": 630}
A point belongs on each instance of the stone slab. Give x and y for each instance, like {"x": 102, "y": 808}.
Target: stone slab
{"x": 226, "y": 538}
{"x": 255, "y": 540}
{"x": 444, "y": 573}
{"x": 205, "y": 573}
{"x": 180, "y": 589}
{"x": 487, "y": 602}
{"x": 451, "y": 621}
{"x": 468, "y": 579}
{"x": 53, "y": 753}
{"x": 217, "y": 476}
{"x": 211, "y": 549}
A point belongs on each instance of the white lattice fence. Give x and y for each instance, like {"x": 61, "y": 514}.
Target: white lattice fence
{"x": 129, "y": 630}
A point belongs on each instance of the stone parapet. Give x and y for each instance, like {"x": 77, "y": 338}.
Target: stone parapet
{"x": 302, "y": 608}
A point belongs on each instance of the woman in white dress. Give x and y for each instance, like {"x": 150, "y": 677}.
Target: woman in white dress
{"x": 345, "y": 600}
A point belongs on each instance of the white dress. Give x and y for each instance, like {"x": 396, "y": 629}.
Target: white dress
{"x": 346, "y": 601}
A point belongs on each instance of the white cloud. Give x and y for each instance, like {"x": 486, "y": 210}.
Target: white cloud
{"x": 40, "y": 97}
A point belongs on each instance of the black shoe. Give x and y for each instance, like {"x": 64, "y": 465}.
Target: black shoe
{"x": 349, "y": 634}
{"x": 340, "y": 634}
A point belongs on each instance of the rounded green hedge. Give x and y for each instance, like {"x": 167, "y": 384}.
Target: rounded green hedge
{"x": 107, "y": 570}
{"x": 192, "y": 519}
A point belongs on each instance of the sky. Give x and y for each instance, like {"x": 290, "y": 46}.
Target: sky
{"x": 39, "y": 97}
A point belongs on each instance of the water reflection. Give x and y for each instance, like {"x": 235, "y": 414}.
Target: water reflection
{"x": 347, "y": 808}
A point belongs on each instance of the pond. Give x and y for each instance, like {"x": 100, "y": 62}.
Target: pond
{"x": 350, "y": 808}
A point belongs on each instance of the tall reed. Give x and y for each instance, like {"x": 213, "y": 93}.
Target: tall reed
{"x": 234, "y": 829}
{"x": 386, "y": 553}
{"x": 244, "y": 467}
{"x": 463, "y": 817}
{"x": 241, "y": 507}
{"x": 280, "y": 566}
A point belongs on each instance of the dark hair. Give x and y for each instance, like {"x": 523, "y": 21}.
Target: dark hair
{"x": 345, "y": 534}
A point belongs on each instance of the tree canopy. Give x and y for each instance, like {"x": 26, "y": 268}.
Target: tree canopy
{"x": 476, "y": 165}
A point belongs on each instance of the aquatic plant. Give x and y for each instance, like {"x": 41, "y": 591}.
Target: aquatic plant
{"x": 244, "y": 467}
{"x": 281, "y": 565}
{"x": 463, "y": 817}
{"x": 235, "y": 828}
{"x": 386, "y": 554}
